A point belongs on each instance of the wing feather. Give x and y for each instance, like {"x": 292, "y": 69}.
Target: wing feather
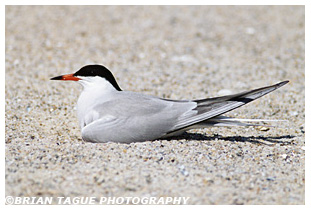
{"x": 212, "y": 107}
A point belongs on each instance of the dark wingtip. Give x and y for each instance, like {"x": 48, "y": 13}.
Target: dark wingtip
{"x": 282, "y": 83}
{"x": 57, "y": 78}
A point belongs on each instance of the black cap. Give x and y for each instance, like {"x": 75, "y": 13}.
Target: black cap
{"x": 100, "y": 71}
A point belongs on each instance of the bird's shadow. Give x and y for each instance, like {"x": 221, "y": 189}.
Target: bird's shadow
{"x": 251, "y": 139}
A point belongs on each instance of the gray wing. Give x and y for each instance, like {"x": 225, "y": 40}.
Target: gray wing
{"x": 130, "y": 116}
{"x": 213, "y": 107}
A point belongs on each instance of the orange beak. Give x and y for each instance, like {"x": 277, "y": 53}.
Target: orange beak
{"x": 66, "y": 77}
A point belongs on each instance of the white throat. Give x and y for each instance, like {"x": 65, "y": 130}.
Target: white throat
{"x": 96, "y": 90}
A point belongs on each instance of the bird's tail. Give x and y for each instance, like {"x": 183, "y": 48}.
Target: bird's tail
{"x": 229, "y": 121}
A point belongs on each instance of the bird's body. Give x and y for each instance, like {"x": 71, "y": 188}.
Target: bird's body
{"x": 127, "y": 116}
{"x": 106, "y": 113}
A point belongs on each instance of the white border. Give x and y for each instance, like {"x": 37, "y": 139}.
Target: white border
{"x": 166, "y": 2}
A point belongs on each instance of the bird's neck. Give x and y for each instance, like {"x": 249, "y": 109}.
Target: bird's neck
{"x": 91, "y": 96}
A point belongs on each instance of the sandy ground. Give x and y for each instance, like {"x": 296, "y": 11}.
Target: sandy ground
{"x": 179, "y": 52}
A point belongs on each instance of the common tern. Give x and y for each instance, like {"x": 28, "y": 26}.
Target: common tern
{"x": 108, "y": 114}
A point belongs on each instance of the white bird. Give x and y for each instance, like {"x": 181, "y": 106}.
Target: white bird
{"x": 106, "y": 113}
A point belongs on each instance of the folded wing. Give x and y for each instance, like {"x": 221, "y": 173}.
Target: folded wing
{"x": 212, "y": 107}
